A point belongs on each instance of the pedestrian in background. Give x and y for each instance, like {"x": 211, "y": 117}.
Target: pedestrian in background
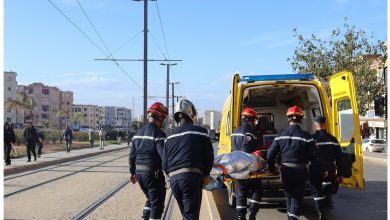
{"x": 31, "y": 138}
{"x": 40, "y": 143}
{"x": 90, "y": 137}
{"x": 68, "y": 137}
{"x": 101, "y": 138}
{"x": 9, "y": 140}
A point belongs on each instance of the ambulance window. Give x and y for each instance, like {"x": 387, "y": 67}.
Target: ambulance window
{"x": 346, "y": 125}
{"x": 228, "y": 124}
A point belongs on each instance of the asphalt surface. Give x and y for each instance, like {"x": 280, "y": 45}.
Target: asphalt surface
{"x": 369, "y": 203}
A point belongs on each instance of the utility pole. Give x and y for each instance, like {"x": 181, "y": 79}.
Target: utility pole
{"x": 173, "y": 102}
{"x": 145, "y": 60}
{"x": 167, "y": 93}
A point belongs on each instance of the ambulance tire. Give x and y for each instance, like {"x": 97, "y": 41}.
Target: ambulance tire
{"x": 231, "y": 194}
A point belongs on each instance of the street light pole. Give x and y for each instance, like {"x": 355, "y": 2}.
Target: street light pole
{"x": 173, "y": 101}
{"x": 167, "y": 93}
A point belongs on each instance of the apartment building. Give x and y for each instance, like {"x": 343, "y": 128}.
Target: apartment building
{"x": 49, "y": 101}
{"x": 10, "y": 86}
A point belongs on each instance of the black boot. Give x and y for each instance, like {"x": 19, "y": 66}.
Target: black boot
{"x": 252, "y": 216}
{"x": 241, "y": 217}
{"x": 319, "y": 209}
{"x": 329, "y": 200}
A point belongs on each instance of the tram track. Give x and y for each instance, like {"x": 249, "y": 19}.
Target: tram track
{"x": 60, "y": 177}
{"x": 62, "y": 165}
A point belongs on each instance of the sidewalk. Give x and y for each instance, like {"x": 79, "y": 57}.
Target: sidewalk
{"x": 20, "y": 165}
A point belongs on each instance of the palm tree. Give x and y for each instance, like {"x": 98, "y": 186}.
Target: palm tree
{"x": 23, "y": 102}
{"x": 61, "y": 113}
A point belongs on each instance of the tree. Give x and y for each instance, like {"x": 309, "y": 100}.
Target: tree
{"x": 24, "y": 103}
{"x": 71, "y": 117}
{"x": 347, "y": 49}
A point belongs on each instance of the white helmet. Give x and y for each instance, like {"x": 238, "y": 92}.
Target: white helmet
{"x": 184, "y": 107}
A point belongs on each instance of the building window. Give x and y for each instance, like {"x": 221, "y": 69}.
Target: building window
{"x": 45, "y": 116}
{"x": 85, "y": 115}
{"x": 9, "y": 110}
{"x": 67, "y": 103}
{"x": 45, "y": 108}
{"x": 9, "y": 78}
{"x": 30, "y": 91}
{"x": 85, "y": 109}
{"x": 45, "y": 91}
{"x": 9, "y": 120}
{"x": 9, "y": 89}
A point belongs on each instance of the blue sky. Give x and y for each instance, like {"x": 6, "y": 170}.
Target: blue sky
{"x": 213, "y": 38}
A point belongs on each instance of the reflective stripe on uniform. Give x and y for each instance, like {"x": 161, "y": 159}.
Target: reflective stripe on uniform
{"x": 154, "y": 218}
{"x": 240, "y": 207}
{"x": 148, "y": 138}
{"x": 187, "y": 132}
{"x": 293, "y": 215}
{"x": 254, "y": 201}
{"x": 238, "y": 134}
{"x": 326, "y": 183}
{"x": 294, "y": 138}
{"x": 318, "y": 198}
{"x": 251, "y": 135}
{"x": 159, "y": 139}
{"x": 326, "y": 143}
{"x": 147, "y": 208}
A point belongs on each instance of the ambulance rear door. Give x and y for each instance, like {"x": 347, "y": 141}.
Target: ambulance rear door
{"x": 346, "y": 128}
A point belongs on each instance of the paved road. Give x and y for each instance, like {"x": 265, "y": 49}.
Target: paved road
{"x": 370, "y": 203}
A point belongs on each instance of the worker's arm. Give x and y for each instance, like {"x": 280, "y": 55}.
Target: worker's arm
{"x": 272, "y": 152}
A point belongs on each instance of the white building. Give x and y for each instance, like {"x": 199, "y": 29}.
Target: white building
{"x": 10, "y": 86}
{"x": 212, "y": 118}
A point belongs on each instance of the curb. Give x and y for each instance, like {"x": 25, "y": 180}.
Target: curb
{"x": 375, "y": 159}
{"x": 25, "y": 168}
{"x": 213, "y": 210}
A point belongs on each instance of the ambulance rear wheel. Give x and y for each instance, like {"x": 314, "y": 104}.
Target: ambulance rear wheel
{"x": 231, "y": 194}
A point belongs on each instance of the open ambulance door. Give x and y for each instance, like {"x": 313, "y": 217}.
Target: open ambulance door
{"x": 233, "y": 121}
{"x": 346, "y": 128}
{"x": 234, "y": 104}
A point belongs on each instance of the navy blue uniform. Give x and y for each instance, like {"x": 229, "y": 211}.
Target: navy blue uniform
{"x": 296, "y": 148}
{"x": 9, "y": 138}
{"x": 188, "y": 157}
{"x": 329, "y": 152}
{"x": 244, "y": 139}
{"x": 145, "y": 162}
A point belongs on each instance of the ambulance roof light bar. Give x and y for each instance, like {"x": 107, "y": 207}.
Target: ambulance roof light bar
{"x": 280, "y": 77}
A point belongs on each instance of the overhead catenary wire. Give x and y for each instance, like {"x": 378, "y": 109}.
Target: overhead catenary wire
{"x": 93, "y": 26}
{"x": 90, "y": 40}
{"x": 158, "y": 46}
{"x": 128, "y": 41}
{"x": 165, "y": 41}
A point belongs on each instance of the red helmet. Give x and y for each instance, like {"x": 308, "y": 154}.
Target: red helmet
{"x": 249, "y": 113}
{"x": 294, "y": 111}
{"x": 159, "y": 110}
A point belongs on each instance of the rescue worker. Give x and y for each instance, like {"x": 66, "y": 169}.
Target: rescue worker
{"x": 331, "y": 156}
{"x": 296, "y": 148}
{"x": 188, "y": 157}
{"x": 145, "y": 161}
{"x": 244, "y": 139}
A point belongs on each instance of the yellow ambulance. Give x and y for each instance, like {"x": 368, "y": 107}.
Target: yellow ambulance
{"x": 271, "y": 95}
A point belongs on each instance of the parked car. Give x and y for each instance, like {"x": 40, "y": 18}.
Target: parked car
{"x": 374, "y": 145}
